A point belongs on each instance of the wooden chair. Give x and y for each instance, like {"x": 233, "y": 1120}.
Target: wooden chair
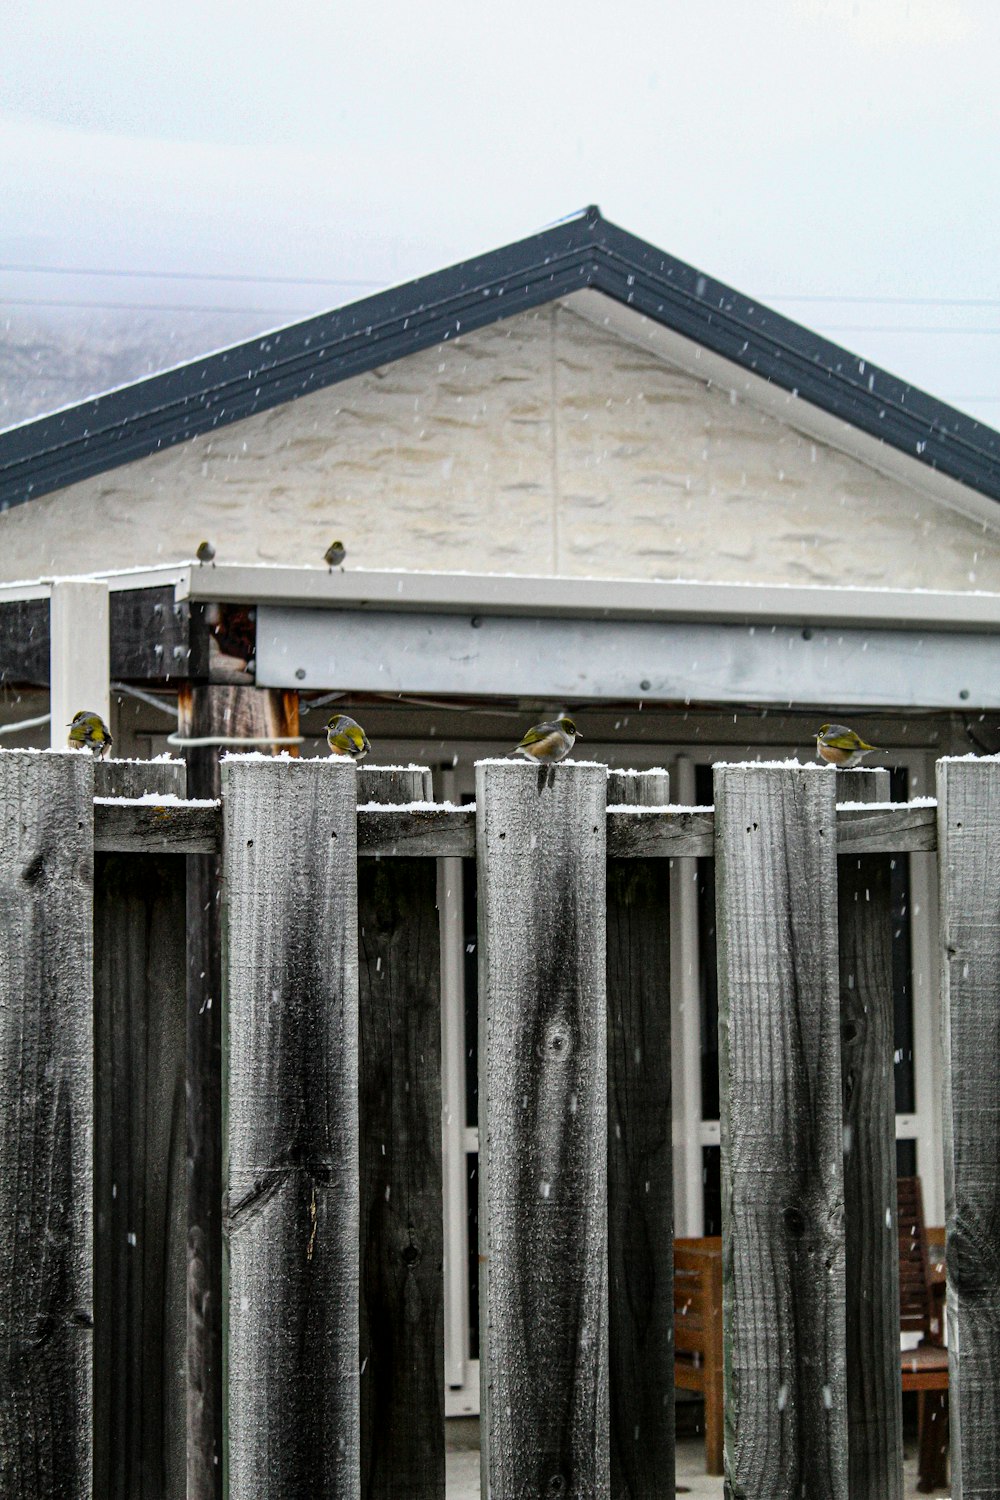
{"x": 925, "y": 1368}
{"x": 698, "y": 1333}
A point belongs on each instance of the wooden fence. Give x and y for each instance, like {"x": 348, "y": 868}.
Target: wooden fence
{"x": 331, "y": 1141}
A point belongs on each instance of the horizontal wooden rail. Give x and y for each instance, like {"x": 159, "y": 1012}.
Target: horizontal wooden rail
{"x": 144, "y": 827}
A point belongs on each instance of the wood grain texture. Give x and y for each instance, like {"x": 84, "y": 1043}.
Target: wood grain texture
{"x": 402, "y": 1246}
{"x": 874, "y": 1395}
{"x": 145, "y": 828}
{"x": 46, "y": 1126}
{"x": 969, "y": 865}
{"x": 782, "y": 1139}
{"x": 640, "y": 1177}
{"x": 437, "y": 832}
{"x": 140, "y": 1031}
{"x": 208, "y": 710}
{"x": 543, "y": 1131}
{"x": 882, "y": 830}
{"x": 419, "y": 832}
{"x": 137, "y": 778}
{"x": 686, "y": 832}
{"x": 291, "y": 1134}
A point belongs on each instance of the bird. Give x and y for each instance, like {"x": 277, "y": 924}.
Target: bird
{"x": 334, "y": 555}
{"x": 205, "y": 553}
{"x": 88, "y": 731}
{"x": 346, "y": 737}
{"x": 841, "y": 747}
{"x": 547, "y": 743}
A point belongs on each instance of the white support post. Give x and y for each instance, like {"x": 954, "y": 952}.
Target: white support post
{"x": 455, "y": 1181}
{"x": 79, "y": 653}
{"x": 689, "y": 1203}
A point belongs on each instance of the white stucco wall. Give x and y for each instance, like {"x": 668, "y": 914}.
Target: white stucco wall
{"x": 539, "y": 445}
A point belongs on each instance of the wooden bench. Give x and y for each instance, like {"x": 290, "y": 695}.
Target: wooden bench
{"x": 925, "y": 1368}
{"x": 698, "y": 1333}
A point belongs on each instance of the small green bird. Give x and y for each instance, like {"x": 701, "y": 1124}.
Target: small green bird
{"x": 547, "y": 743}
{"x": 841, "y": 747}
{"x": 334, "y": 555}
{"x": 205, "y": 553}
{"x": 89, "y": 732}
{"x": 346, "y": 737}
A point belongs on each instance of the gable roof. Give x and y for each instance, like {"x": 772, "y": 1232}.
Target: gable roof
{"x": 585, "y": 251}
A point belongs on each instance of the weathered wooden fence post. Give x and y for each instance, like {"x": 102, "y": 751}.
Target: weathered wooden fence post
{"x": 290, "y": 975}
{"x": 874, "y": 1393}
{"x": 46, "y": 1125}
{"x": 969, "y": 863}
{"x": 541, "y": 840}
{"x": 640, "y": 1176}
{"x": 402, "y": 1289}
{"x": 208, "y": 709}
{"x": 782, "y": 1137}
{"x": 140, "y": 1167}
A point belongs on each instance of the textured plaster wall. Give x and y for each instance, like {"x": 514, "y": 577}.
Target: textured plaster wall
{"x": 539, "y": 445}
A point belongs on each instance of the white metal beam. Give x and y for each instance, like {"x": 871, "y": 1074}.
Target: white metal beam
{"x": 575, "y": 660}
{"x": 534, "y": 596}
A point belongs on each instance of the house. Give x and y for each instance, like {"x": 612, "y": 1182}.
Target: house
{"x": 570, "y": 473}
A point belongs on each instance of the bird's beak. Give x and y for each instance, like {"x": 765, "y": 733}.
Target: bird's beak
{"x": 580, "y": 735}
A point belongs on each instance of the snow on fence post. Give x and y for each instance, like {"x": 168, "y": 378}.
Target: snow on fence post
{"x": 969, "y": 865}
{"x": 290, "y": 1096}
{"x": 46, "y": 1124}
{"x": 140, "y": 1173}
{"x": 402, "y": 1287}
{"x": 541, "y": 840}
{"x": 782, "y": 1138}
{"x": 640, "y": 1175}
{"x": 874, "y": 1394}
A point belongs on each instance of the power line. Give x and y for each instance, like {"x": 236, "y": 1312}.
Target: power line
{"x": 889, "y": 301}
{"x": 951, "y": 328}
{"x": 191, "y": 276}
{"x": 184, "y": 307}
{"x": 245, "y": 278}
{"x": 163, "y": 307}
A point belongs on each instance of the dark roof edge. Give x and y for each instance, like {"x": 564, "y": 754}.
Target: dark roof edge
{"x": 53, "y": 452}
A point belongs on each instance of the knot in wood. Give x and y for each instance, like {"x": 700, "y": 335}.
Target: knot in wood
{"x": 411, "y": 1255}
{"x": 795, "y": 1222}
{"x": 557, "y": 1042}
{"x": 556, "y": 1485}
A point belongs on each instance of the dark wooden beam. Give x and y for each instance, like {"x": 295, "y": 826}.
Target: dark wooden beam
{"x": 206, "y": 711}
{"x": 24, "y": 642}
{"x": 436, "y": 832}
{"x": 402, "y": 1303}
{"x": 640, "y": 1169}
{"x": 140, "y": 1158}
{"x": 154, "y": 638}
{"x": 157, "y": 638}
{"x": 874, "y": 1397}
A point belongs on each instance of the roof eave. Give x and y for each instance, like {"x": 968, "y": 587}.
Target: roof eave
{"x": 588, "y": 251}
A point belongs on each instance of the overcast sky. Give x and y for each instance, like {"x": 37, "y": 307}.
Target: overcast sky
{"x": 798, "y": 149}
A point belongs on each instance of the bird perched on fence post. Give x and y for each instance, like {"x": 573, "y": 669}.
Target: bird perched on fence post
{"x": 841, "y": 747}
{"x": 88, "y": 731}
{"x": 334, "y": 555}
{"x": 205, "y": 553}
{"x": 548, "y": 743}
{"x": 346, "y": 737}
